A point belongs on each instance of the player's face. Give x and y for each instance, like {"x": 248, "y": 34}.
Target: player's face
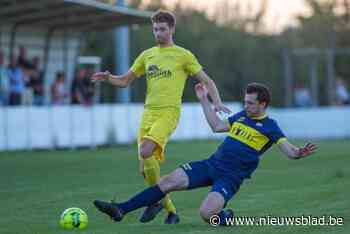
{"x": 162, "y": 33}
{"x": 252, "y": 106}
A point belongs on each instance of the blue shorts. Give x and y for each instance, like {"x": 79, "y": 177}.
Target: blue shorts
{"x": 202, "y": 174}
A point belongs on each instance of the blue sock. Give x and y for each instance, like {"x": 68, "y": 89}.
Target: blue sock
{"x": 147, "y": 197}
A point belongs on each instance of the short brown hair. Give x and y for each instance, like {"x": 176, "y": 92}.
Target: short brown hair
{"x": 163, "y": 16}
{"x": 263, "y": 93}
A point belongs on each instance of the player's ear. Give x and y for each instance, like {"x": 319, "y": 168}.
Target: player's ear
{"x": 263, "y": 104}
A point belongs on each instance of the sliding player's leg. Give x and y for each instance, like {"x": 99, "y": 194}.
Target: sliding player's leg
{"x": 177, "y": 180}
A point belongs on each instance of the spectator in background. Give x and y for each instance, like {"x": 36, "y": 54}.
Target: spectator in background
{"x": 81, "y": 88}
{"x": 90, "y": 86}
{"x": 15, "y": 74}
{"x": 4, "y": 82}
{"x": 341, "y": 92}
{"x": 58, "y": 91}
{"x": 77, "y": 92}
{"x": 36, "y": 82}
{"x": 27, "y": 95}
{"x": 26, "y": 67}
{"x": 22, "y": 60}
{"x": 302, "y": 97}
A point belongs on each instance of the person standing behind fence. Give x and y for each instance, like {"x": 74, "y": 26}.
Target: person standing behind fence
{"x": 26, "y": 67}
{"x": 302, "y": 96}
{"x": 58, "y": 91}
{"x": 80, "y": 88}
{"x": 15, "y": 74}
{"x": 36, "y": 82}
{"x": 4, "y": 82}
{"x": 22, "y": 60}
{"x": 341, "y": 92}
{"x": 90, "y": 88}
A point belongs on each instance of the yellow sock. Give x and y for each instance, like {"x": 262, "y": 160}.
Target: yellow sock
{"x": 168, "y": 204}
{"x": 151, "y": 170}
{"x": 152, "y": 175}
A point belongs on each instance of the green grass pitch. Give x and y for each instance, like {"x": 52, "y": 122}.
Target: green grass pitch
{"x": 37, "y": 186}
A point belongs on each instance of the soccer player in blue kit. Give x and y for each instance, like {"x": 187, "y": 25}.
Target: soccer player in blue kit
{"x": 250, "y": 134}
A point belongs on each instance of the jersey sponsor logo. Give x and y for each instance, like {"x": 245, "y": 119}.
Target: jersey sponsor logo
{"x": 153, "y": 68}
{"x": 153, "y": 71}
{"x": 248, "y": 136}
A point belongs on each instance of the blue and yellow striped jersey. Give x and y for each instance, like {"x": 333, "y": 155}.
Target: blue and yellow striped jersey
{"x": 247, "y": 140}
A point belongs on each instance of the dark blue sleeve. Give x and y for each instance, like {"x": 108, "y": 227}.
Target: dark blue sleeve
{"x": 235, "y": 117}
{"x": 276, "y": 135}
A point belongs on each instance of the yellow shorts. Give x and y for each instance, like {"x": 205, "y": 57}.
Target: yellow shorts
{"x": 158, "y": 125}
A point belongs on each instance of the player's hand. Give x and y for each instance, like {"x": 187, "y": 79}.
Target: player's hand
{"x": 100, "y": 76}
{"x": 222, "y": 108}
{"x": 307, "y": 150}
{"x": 201, "y": 91}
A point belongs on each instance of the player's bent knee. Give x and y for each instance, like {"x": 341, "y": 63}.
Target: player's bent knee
{"x": 205, "y": 214}
{"x": 145, "y": 153}
{"x": 146, "y": 149}
{"x": 211, "y": 205}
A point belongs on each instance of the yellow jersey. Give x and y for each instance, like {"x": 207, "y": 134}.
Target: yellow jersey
{"x": 166, "y": 71}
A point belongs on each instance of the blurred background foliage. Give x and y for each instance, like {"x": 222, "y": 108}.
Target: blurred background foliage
{"x": 234, "y": 49}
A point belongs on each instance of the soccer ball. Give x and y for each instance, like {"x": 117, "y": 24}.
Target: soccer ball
{"x": 73, "y": 218}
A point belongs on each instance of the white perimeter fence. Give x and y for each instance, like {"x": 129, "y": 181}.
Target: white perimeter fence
{"x": 26, "y": 128}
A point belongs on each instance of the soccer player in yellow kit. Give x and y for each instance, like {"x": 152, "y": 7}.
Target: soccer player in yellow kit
{"x": 166, "y": 68}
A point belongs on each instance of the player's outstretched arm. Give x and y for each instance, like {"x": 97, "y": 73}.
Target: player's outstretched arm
{"x": 213, "y": 91}
{"x": 216, "y": 124}
{"x": 121, "y": 81}
{"x": 294, "y": 152}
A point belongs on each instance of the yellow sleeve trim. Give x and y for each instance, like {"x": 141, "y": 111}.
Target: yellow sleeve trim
{"x": 281, "y": 140}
